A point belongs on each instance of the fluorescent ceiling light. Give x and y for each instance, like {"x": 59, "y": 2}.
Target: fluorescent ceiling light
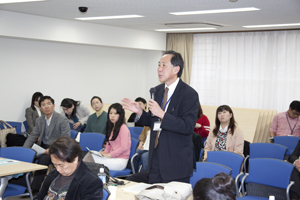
{"x": 184, "y": 29}
{"x": 17, "y": 1}
{"x": 215, "y": 11}
{"x": 110, "y": 17}
{"x": 271, "y": 25}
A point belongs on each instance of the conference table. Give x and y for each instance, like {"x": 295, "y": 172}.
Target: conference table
{"x": 123, "y": 191}
{"x": 9, "y": 167}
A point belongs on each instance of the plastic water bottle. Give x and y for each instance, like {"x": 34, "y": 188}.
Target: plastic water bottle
{"x": 271, "y": 197}
{"x": 102, "y": 175}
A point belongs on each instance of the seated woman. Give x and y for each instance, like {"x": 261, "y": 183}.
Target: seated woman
{"x": 117, "y": 150}
{"x": 202, "y": 126}
{"x": 97, "y": 121}
{"x": 76, "y": 112}
{"x": 71, "y": 179}
{"x": 33, "y": 111}
{"x": 143, "y": 104}
{"x": 217, "y": 188}
{"x": 225, "y": 136}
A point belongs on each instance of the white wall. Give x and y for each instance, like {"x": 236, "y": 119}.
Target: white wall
{"x": 70, "y": 70}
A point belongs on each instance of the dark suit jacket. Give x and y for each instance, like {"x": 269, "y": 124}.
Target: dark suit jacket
{"x": 296, "y": 153}
{"x": 59, "y": 126}
{"x": 85, "y": 185}
{"x": 175, "y": 140}
{"x": 31, "y": 115}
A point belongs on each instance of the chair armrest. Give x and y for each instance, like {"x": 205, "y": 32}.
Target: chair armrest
{"x": 236, "y": 181}
{"x": 131, "y": 162}
{"x": 242, "y": 183}
{"x": 288, "y": 190}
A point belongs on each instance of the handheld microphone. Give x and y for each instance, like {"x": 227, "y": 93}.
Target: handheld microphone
{"x": 152, "y": 92}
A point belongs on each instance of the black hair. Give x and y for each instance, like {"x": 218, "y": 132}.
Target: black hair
{"x": 34, "y": 98}
{"x": 217, "y": 188}
{"x": 141, "y": 100}
{"x": 96, "y": 97}
{"x": 176, "y": 60}
{"x": 67, "y": 103}
{"x": 43, "y": 98}
{"x": 66, "y": 149}
{"x": 200, "y": 111}
{"x": 295, "y": 105}
{"x": 110, "y": 126}
{"x": 232, "y": 123}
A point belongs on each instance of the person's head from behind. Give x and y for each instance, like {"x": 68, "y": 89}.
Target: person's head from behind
{"x": 170, "y": 67}
{"x": 116, "y": 117}
{"x": 294, "y": 110}
{"x": 96, "y": 103}
{"x": 47, "y": 105}
{"x": 65, "y": 155}
{"x": 142, "y": 102}
{"x": 217, "y": 188}
{"x": 69, "y": 106}
{"x": 35, "y": 99}
{"x": 224, "y": 117}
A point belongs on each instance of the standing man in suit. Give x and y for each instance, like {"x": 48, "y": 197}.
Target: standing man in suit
{"x": 47, "y": 128}
{"x": 174, "y": 109}
{"x": 295, "y": 176}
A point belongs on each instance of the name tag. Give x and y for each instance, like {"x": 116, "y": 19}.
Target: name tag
{"x": 156, "y": 126}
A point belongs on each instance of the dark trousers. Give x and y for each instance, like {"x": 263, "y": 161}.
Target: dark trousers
{"x": 155, "y": 174}
{"x": 39, "y": 176}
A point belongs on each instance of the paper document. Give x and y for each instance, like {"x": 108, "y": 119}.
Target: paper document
{"x": 137, "y": 188}
{"x": 95, "y": 152}
{"x": 8, "y": 161}
{"x": 39, "y": 150}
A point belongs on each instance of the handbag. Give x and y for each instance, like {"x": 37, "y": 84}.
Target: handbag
{"x": 7, "y": 128}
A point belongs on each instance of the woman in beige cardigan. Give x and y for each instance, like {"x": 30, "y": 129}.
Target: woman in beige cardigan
{"x": 222, "y": 138}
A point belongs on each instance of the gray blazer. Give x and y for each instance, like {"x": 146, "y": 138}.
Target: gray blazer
{"x": 31, "y": 115}
{"x": 59, "y": 126}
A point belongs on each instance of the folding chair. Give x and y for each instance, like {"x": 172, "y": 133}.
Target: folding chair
{"x": 22, "y": 154}
{"x": 113, "y": 173}
{"x": 207, "y": 170}
{"x": 267, "y": 177}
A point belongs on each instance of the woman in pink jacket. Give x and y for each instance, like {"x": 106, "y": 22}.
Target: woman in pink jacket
{"x": 117, "y": 150}
{"x": 225, "y": 136}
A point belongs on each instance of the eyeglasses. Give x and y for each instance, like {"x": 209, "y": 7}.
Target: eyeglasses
{"x": 46, "y": 104}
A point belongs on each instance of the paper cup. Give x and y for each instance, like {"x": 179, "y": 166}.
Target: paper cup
{"x": 113, "y": 191}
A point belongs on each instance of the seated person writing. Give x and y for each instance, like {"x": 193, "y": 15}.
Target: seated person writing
{"x": 117, "y": 150}
{"x": 97, "y": 121}
{"x": 217, "y": 188}
{"x": 225, "y": 136}
{"x": 76, "y": 112}
{"x": 287, "y": 123}
{"x": 72, "y": 179}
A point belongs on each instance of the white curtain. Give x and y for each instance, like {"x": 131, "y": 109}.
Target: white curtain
{"x": 259, "y": 70}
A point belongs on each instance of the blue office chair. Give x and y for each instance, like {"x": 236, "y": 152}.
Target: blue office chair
{"x": 94, "y": 141}
{"x": 267, "y": 177}
{"x": 229, "y": 159}
{"x": 73, "y": 134}
{"x": 25, "y": 125}
{"x": 265, "y": 150}
{"x": 22, "y": 154}
{"x": 134, "y": 144}
{"x": 106, "y": 194}
{"x": 288, "y": 141}
{"x": 135, "y": 132}
{"x": 207, "y": 170}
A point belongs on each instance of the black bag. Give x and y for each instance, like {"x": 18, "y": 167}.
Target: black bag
{"x": 15, "y": 140}
{"x": 95, "y": 167}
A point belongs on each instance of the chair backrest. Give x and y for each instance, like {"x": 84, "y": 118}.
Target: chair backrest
{"x": 288, "y": 141}
{"x": 267, "y": 150}
{"x": 207, "y": 170}
{"x": 94, "y": 141}
{"x": 18, "y": 153}
{"x": 73, "y": 134}
{"x": 106, "y": 194}
{"x": 17, "y": 125}
{"x": 268, "y": 171}
{"x": 25, "y": 125}
{"x": 227, "y": 158}
{"x": 134, "y": 144}
{"x": 135, "y": 131}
